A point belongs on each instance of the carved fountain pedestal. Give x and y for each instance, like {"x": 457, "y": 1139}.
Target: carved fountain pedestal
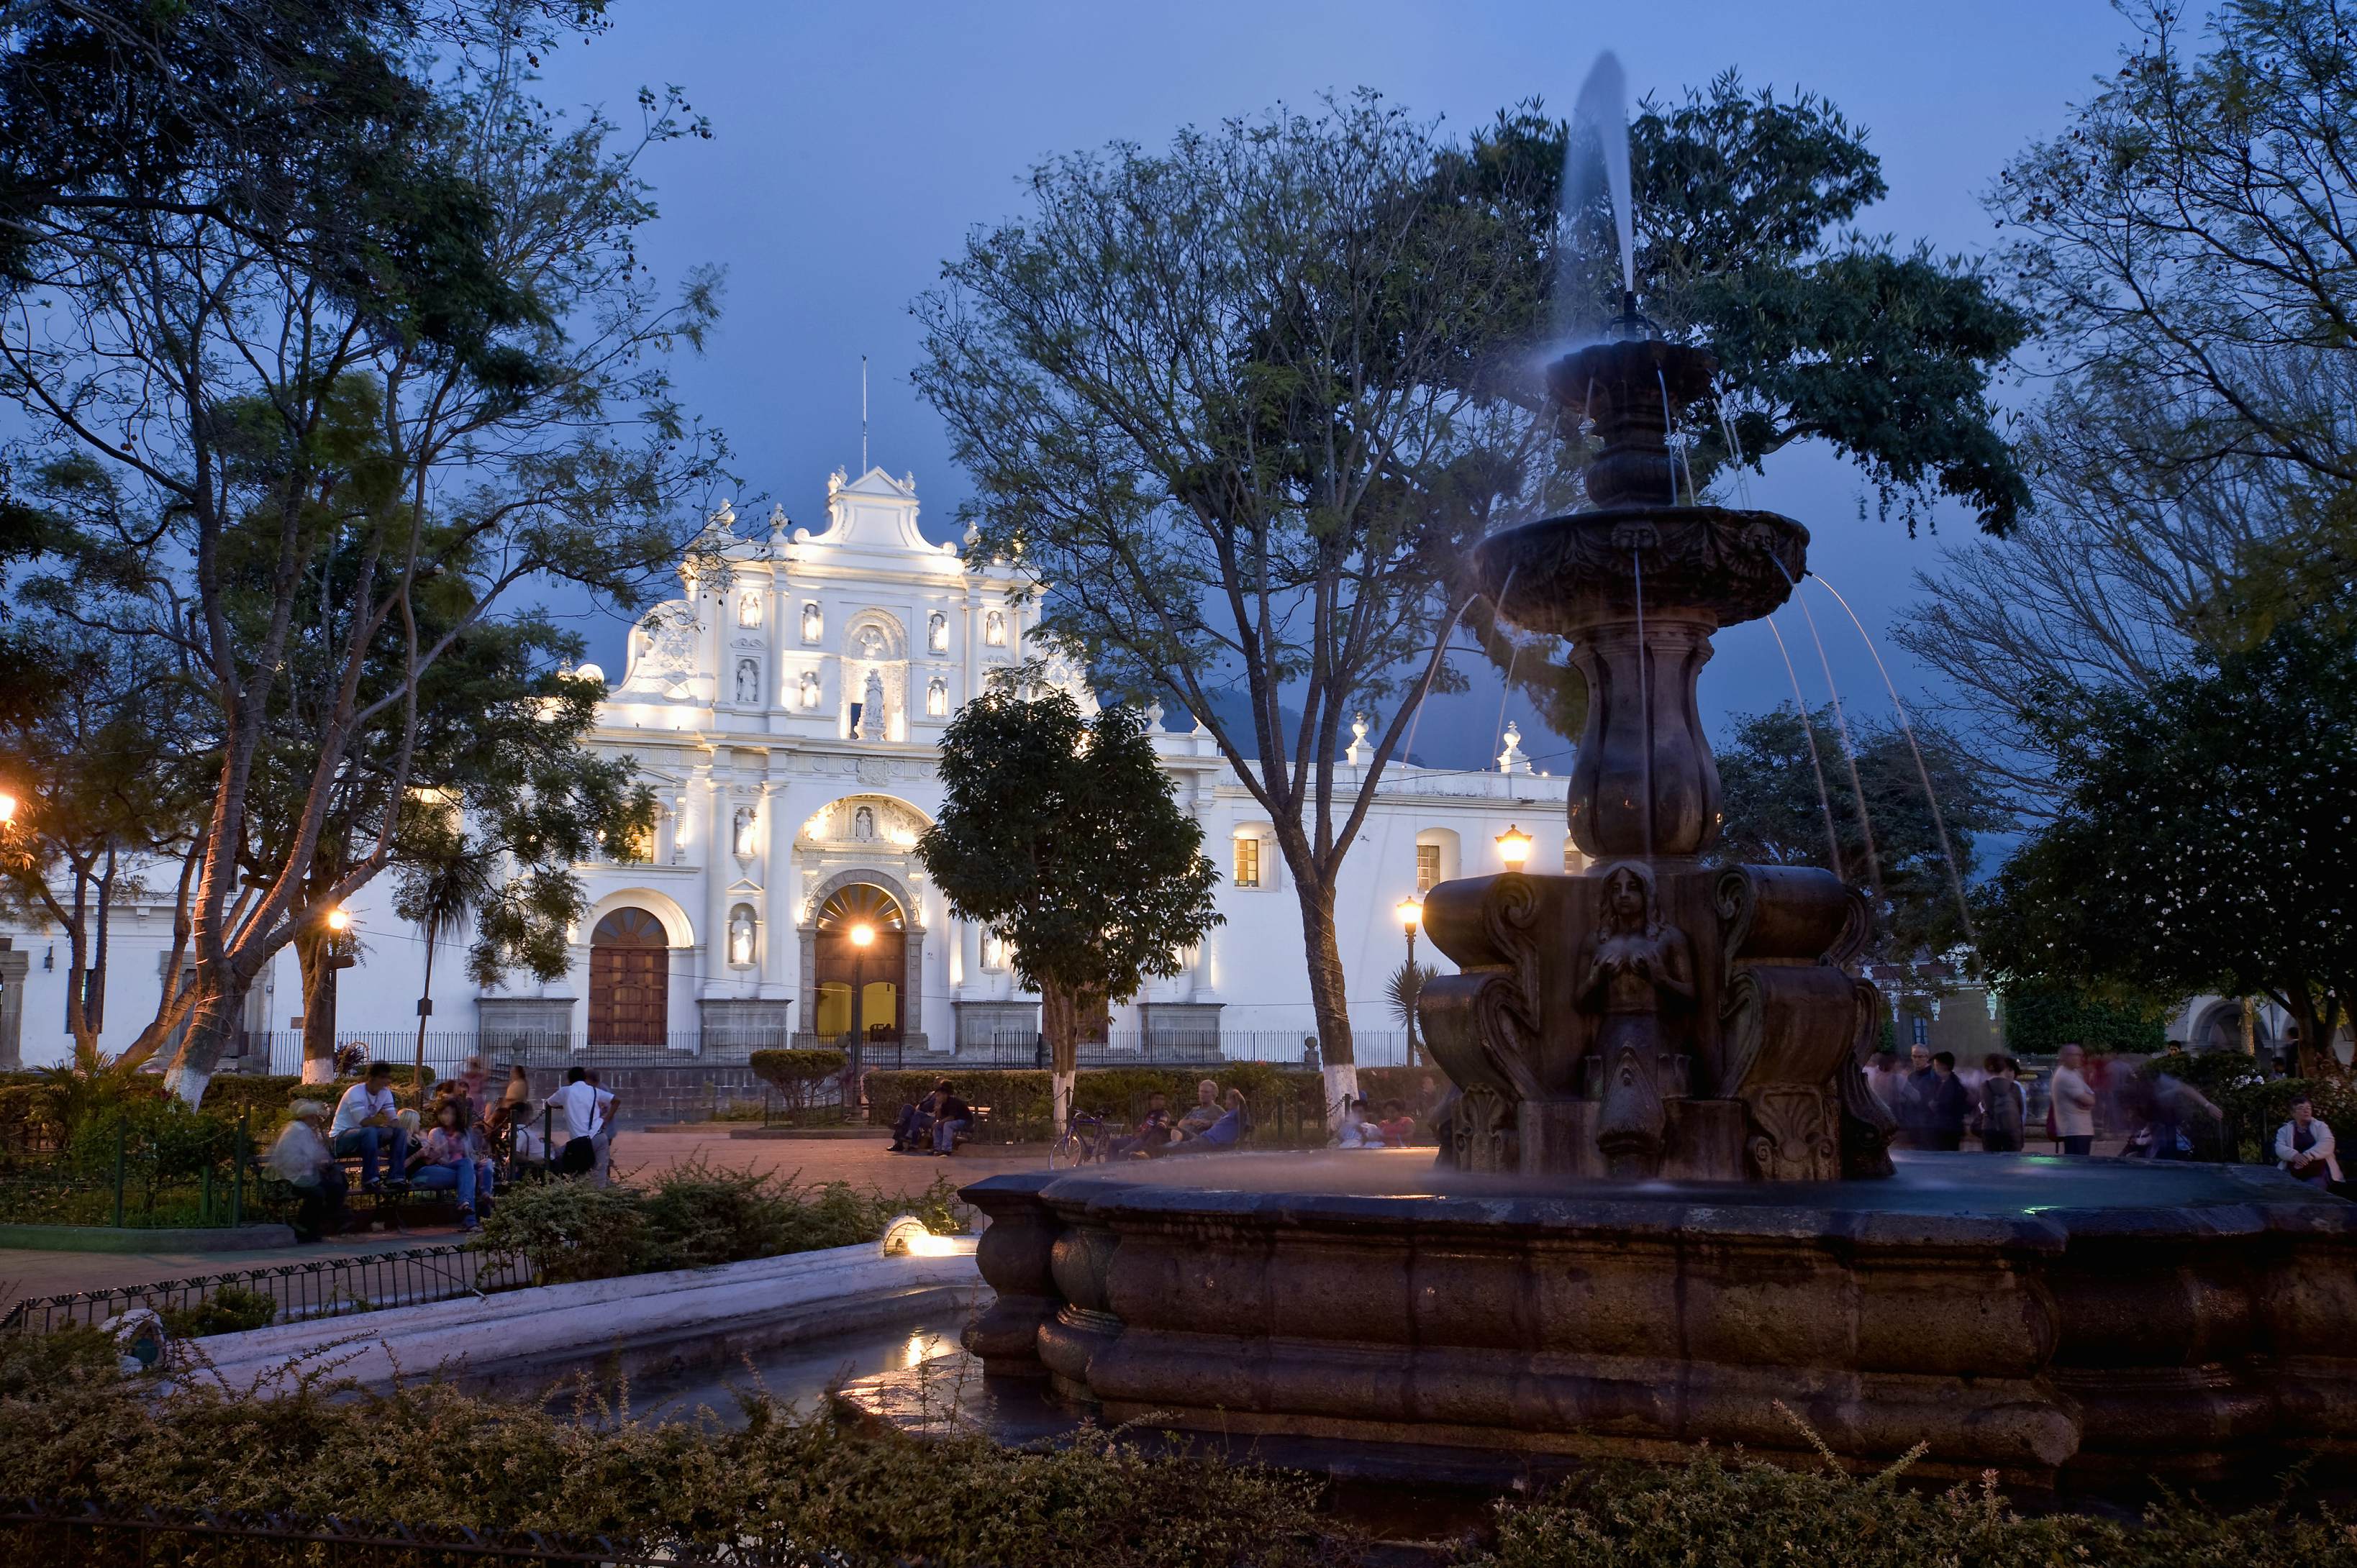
{"x": 1652, "y": 1017}
{"x": 1633, "y": 1240}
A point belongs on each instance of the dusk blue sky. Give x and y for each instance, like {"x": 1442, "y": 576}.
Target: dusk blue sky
{"x": 856, "y": 144}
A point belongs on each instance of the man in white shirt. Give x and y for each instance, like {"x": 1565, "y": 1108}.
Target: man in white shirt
{"x": 583, "y": 1111}
{"x": 366, "y": 1125}
{"x": 2074, "y": 1103}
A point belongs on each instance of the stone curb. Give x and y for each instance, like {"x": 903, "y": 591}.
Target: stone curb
{"x": 639, "y": 1324}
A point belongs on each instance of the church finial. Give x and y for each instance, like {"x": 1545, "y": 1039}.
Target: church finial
{"x": 863, "y": 414}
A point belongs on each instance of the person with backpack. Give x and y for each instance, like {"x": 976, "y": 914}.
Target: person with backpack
{"x": 583, "y": 1111}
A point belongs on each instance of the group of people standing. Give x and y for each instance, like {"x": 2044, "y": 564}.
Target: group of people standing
{"x": 455, "y": 1146}
{"x": 1936, "y": 1108}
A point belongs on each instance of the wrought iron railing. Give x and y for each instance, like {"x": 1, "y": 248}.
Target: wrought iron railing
{"x": 315, "y": 1287}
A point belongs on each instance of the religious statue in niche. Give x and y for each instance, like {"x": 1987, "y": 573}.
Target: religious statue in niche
{"x": 937, "y": 632}
{"x": 993, "y": 629}
{"x": 871, "y": 709}
{"x": 871, "y": 643}
{"x": 863, "y": 824}
{"x": 749, "y": 682}
{"x": 740, "y": 937}
{"x": 740, "y": 833}
{"x": 813, "y": 623}
{"x": 937, "y": 699}
{"x": 1631, "y": 970}
{"x": 748, "y": 610}
{"x": 809, "y": 688}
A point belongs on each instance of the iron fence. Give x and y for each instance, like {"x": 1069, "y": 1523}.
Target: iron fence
{"x": 38, "y": 1530}
{"x": 313, "y": 1288}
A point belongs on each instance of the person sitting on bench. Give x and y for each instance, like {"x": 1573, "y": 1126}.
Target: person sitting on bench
{"x": 301, "y": 1160}
{"x": 368, "y": 1125}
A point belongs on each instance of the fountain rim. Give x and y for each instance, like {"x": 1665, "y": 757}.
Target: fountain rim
{"x": 1501, "y": 557}
{"x": 2236, "y": 1204}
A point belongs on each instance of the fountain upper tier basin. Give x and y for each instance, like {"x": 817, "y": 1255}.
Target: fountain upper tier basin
{"x": 1567, "y": 575}
{"x": 2054, "y": 1321}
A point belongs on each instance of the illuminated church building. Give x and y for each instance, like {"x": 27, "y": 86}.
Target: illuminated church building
{"x": 788, "y": 723}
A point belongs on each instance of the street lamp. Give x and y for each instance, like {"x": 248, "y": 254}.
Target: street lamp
{"x": 338, "y": 920}
{"x": 1514, "y": 847}
{"x": 862, "y": 935}
{"x": 7, "y": 808}
{"x": 1410, "y": 910}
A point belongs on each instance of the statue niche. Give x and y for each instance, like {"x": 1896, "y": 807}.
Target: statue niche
{"x": 1633, "y": 968}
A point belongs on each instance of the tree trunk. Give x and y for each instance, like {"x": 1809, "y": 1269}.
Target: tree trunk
{"x": 425, "y": 1012}
{"x": 1059, "y": 1020}
{"x": 200, "y": 1048}
{"x": 314, "y": 952}
{"x": 1327, "y": 996}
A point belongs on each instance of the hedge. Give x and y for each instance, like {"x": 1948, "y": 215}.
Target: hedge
{"x": 1020, "y": 1096}
{"x": 2040, "y": 1020}
{"x": 797, "y": 1075}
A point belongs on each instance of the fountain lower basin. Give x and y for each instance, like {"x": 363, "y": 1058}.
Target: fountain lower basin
{"x": 2062, "y": 1323}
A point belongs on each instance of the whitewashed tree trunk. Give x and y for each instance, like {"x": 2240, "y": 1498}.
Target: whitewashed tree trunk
{"x": 1060, "y": 1093}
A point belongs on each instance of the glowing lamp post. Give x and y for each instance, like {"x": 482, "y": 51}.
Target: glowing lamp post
{"x": 7, "y": 808}
{"x": 1514, "y": 847}
{"x": 1410, "y": 910}
{"x": 862, "y": 936}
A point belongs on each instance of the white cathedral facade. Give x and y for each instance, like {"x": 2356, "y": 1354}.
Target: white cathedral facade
{"x": 788, "y": 721}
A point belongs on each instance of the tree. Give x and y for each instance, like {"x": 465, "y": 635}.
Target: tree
{"x": 1243, "y": 406}
{"x": 106, "y": 796}
{"x": 314, "y": 489}
{"x": 2201, "y": 840}
{"x": 1789, "y": 799}
{"x": 2181, "y": 246}
{"x": 1063, "y": 834}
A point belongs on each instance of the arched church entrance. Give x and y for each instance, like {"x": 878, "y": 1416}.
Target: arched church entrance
{"x": 859, "y": 951}
{"x": 630, "y": 979}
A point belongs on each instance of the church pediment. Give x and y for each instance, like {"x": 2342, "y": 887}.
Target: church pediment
{"x": 863, "y": 821}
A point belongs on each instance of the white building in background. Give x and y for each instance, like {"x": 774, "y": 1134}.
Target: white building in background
{"x": 788, "y": 723}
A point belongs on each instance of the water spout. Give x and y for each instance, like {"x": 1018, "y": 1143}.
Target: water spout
{"x": 1841, "y": 724}
{"x": 1809, "y": 734}
{"x": 1931, "y": 797}
{"x": 1603, "y": 107}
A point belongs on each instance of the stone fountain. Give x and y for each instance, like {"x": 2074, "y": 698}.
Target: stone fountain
{"x": 1664, "y": 1204}
{"x": 1655, "y": 1017}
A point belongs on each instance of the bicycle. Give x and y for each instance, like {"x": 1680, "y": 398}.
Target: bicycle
{"x": 1086, "y": 1140}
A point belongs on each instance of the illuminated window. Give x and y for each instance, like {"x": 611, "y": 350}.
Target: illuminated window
{"x": 1428, "y": 867}
{"x": 1247, "y": 863}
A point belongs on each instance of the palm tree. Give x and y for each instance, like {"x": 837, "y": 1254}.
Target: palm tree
{"x": 444, "y": 881}
{"x": 1405, "y": 984}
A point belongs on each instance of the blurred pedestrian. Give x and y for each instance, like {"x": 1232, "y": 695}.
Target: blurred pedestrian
{"x": 2071, "y": 1103}
{"x": 2005, "y": 1105}
{"x": 1947, "y": 1104}
{"x": 1914, "y": 1106}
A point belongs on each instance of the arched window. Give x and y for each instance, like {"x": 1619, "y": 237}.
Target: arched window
{"x": 630, "y": 979}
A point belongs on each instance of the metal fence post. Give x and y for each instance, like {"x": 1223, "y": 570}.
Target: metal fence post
{"x": 237, "y": 1171}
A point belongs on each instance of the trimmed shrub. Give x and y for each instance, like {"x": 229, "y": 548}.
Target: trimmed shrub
{"x": 1748, "y": 1511}
{"x": 1018, "y": 1098}
{"x": 430, "y": 1454}
{"x": 693, "y": 1217}
{"x": 231, "y": 1309}
{"x": 797, "y": 1075}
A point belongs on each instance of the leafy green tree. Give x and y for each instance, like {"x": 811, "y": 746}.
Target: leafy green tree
{"x": 2195, "y": 453}
{"x": 2039, "y": 1020}
{"x": 313, "y": 491}
{"x": 2201, "y": 838}
{"x": 1063, "y": 834}
{"x": 1745, "y": 206}
{"x": 1875, "y": 828}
